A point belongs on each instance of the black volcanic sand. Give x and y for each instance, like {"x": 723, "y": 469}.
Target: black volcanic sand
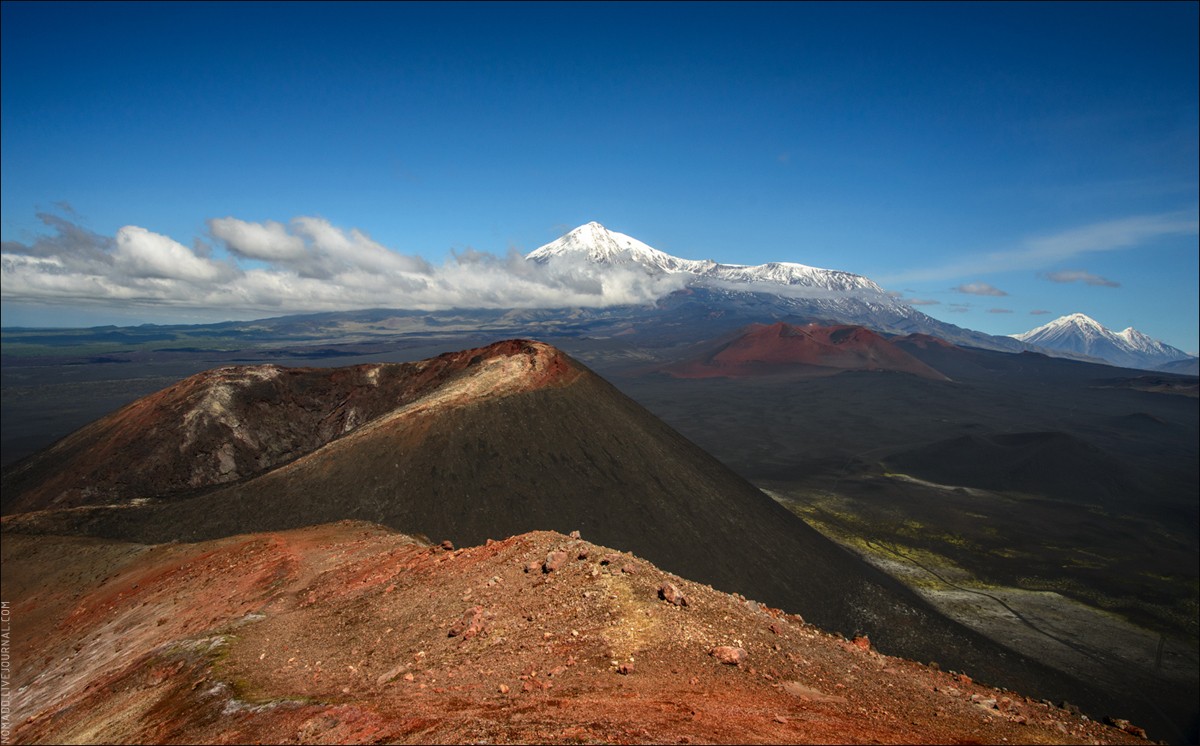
{"x": 1096, "y": 484}
{"x": 1052, "y": 463}
{"x": 583, "y": 456}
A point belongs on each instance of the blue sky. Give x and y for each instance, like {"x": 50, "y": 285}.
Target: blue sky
{"x": 950, "y": 152}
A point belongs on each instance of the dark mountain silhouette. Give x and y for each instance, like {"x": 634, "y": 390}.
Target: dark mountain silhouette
{"x": 786, "y": 348}
{"x": 489, "y": 443}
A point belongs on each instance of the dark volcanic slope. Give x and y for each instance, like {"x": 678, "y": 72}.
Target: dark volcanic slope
{"x": 519, "y": 437}
{"x": 771, "y": 349}
{"x": 1051, "y": 464}
{"x": 215, "y": 427}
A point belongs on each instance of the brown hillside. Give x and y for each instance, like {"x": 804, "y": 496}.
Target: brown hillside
{"x": 348, "y": 633}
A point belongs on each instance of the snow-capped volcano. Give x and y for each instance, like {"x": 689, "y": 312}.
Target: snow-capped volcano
{"x": 598, "y": 245}
{"x": 759, "y": 293}
{"x": 1080, "y": 334}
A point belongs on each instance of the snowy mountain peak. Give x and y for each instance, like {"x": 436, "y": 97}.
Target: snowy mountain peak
{"x": 1081, "y": 334}
{"x": 1081, "y": 319}
{"x": 594, "y": 243}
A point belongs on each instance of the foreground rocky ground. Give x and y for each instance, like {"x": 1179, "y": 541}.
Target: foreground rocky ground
{"x": 351, "y": 633}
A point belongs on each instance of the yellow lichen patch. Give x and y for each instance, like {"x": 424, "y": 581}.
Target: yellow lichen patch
{"x": 634, "y": 625}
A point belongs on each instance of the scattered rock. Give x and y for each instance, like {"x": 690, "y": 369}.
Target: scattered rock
{"x": 728, "y": 655}
{"x": 554, "y": 561}
{"x": 625, "y": 669}
{"x": 385, "y": 678}
{"x": 574, "y": 534}
{"x": 1125, "y": 725}
{"x": 796, "y": 689}
{"x": 468, "y": 625}
{"x": 780, "y": 719}
{"x": 583, "y": 553}
{"x": 448, "y": 545}
{"x": 671, "y": 594}
{"x": 533, "y": 566}
{"x": 862, "y": 642}
{"x": 503, "y": 688}
{"x": 609, "y": 559}
{"x": 987, "y": 703}
{"x": 627, "y": 569}
{"x": 776, "y": 628}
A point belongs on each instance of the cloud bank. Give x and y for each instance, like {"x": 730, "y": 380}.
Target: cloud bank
{"x": 306, "y": 265}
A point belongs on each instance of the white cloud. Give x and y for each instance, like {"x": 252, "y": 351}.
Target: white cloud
{"x": 142, "y": 253}
{"x": 267, "y": 241}
{"x": 305, "y": 265}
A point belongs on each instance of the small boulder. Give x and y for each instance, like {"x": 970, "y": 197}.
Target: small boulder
{"x": 671, "y": 594}
{"x": 533, "y": 566}
{"x": 448, "y": 545}
{"x": 1128, "y": 727}
{"x": 862, "y": 642}
{"x": 554, "y": 560}
{"x": 728, "y": 655}
{"x": 574, "y": 534}
{"x": 625, "y": 669}
{"x": 468, "y": 625}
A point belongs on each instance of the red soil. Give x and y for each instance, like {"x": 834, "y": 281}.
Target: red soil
{"x": 780, "y": 347}
{"x": 348, "y": 633}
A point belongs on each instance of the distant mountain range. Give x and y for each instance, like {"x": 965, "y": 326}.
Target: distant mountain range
{"x": 710, "y": 300}
{"x": 1082, "y": 335}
